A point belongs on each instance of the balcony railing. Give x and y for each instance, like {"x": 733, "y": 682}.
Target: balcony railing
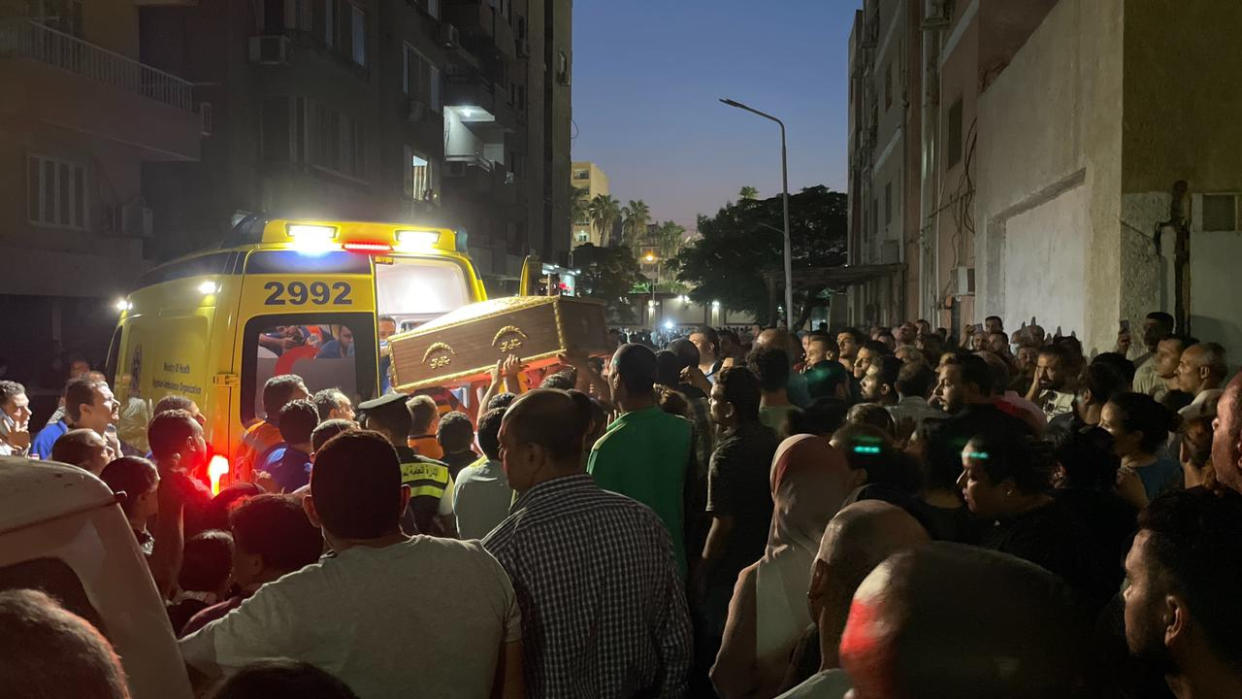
{"x": 25, "y": 38}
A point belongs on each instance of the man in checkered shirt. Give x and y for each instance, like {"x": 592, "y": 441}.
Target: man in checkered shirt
{"x": 603, "y": 610}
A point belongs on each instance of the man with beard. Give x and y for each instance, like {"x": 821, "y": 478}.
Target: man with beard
{"x": 1182, "y": 610}
{"x": 1049, "y": 388}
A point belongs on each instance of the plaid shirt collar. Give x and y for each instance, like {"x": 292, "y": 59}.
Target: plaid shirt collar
{"x": 555, "y": 489}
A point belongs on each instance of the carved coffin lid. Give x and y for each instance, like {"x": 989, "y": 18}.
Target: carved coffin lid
{"x": 463, "y": 346}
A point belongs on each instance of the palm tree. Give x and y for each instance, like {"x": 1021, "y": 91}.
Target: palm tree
{"x": 636, "y": 216}
{"x": 579, "y": 205}
{"x": 604, "y": 212}
{"x": 668, "y": 239}
{"x": 748, "y": 192}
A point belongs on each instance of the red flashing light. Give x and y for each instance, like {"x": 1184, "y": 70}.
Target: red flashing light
{"x": 368, "y": 247}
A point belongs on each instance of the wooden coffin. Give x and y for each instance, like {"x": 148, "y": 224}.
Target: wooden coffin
{"x": 463, "y": 346}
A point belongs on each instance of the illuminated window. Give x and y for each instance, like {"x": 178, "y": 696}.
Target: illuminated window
{"x": 418, "y": 177}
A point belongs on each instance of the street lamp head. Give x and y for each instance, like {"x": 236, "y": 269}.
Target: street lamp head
{"x": 731, "y": 103}
{"x": 650, "y": 257}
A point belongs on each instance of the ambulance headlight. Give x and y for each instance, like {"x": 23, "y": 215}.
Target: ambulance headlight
{"x": 208, "y": 287}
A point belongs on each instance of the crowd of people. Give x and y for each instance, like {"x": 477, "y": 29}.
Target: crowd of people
{"x": 892, "y": 513}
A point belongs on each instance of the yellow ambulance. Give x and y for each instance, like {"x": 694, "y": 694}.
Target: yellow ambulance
{"x": 281, "y": 297}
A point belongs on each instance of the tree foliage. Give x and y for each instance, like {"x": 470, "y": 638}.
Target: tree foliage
{"x": 635, "y": 217}
{"x": 579, "y": 205}
{"x": 608, "y": 274}
{"x": 667, "y": 239}
{"x": 604, "y": 211}
{"x": 745, "y": 240}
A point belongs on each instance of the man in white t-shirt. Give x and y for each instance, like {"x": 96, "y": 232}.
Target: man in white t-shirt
{"x": 391, "y": 615}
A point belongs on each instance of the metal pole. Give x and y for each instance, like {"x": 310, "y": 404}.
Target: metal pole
{"x": 789, "y": 309}
{"x": 785, "y": 196}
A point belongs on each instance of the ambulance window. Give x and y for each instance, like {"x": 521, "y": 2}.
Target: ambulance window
{"x": 327, "y": 351}
{"x": 416, "y": 290}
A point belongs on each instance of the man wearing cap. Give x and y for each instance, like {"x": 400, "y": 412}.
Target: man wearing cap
{"x": 431, "y": 486}
{"x": 646, "y": 452}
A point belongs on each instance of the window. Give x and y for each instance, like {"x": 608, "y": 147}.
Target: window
{"x": 888, "y": 204}
{"x": 340, "y": 24}
{"x": 583, "y": 174}
{"x": 55, "y": 192}
{"x": 358, "y": 19}
{"x": 562, "y": 68}
{"x": 521, "y": 98}
{"x": 337, "y": 142}
{"x": 433, "y": 8}
{"x": 421, "y": 79}
{"x": 521, "y": 27}
{"x": 953, "y": 135}
{"x": 416, "y": 290}
{"x": 1220, "y": 212}
{"x": 418, "y": 179}
{"x": 888, "y": 85}
{"x": 325, "y": 349}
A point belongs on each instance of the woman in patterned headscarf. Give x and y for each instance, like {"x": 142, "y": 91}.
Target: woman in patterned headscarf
{"x": 768, "y": 613}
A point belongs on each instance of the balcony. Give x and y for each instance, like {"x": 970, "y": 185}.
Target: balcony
{"x": 60, "y": 79}
{"x": 479, "y": 178}
{"x": 483, "y": 30}
{"x": 478, "y": 100}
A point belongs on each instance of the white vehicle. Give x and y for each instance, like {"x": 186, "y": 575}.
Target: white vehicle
{"x": 61, "y": 531}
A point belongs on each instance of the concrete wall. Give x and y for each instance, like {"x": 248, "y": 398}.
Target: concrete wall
{"x": 1183, "y": 95}
{"x": 1048, "y": 131}
{"x": 951, "y": 229}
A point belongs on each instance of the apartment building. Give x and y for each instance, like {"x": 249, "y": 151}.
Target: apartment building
{"x": 917, "y": 68}
{"x": 590, "y": 178}
{"x": 434, "y": 112}
{"x": 83, "y": 120}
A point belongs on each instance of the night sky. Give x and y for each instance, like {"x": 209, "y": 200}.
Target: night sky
{"x": 647, "y": 74}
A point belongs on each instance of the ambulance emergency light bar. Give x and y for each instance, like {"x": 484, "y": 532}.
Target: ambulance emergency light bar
{"x": 319, "y": 238}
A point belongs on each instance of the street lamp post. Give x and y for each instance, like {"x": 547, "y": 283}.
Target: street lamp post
{"x": 650, "y": 258}
{"x": 785, "y": 193}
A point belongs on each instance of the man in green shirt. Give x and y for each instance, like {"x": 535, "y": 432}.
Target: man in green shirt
{"x": 646, "y": 452}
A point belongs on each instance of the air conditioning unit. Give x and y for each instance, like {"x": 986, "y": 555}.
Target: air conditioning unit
{"x": 449, "y": 37}
{"x": 523, "y": 48}
{"x": 414, "y": 110}
{"x": 455, "y": 168}
{"x": 205, "y": 118}
{"x": 965, "y": 280}
{"x": 937, "y": 14}
{"x": 269, "y": 50}
{"x": 137, "y": 219}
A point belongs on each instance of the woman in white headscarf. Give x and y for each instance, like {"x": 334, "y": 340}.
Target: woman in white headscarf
{"x": 769, "y": 612}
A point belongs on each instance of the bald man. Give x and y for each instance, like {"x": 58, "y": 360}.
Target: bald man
{"x": 603, "y": 612}
{"x": 1200, "y": 372}
{"x": 796, "y": 387}
{"x": 1227, "y": 436}
{"x": 947, "y": 620}
{"x": 858, "y": 538}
